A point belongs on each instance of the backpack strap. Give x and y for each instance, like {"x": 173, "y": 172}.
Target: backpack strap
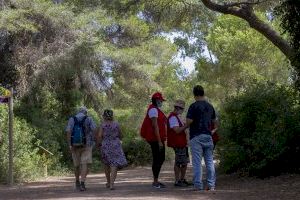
{"x": 83, "y": 119}
{"x": 179, "y": 121}
{"x": 75, "y": 119}
{"x": 82, "y": 123}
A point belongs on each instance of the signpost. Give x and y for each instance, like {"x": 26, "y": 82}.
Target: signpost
{"x": 6, "y": 96}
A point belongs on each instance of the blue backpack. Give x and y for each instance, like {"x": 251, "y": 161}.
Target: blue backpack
{"x": 78, "y": 137}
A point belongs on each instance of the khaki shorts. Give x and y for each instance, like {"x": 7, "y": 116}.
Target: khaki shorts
{"x": 82, "y": 156}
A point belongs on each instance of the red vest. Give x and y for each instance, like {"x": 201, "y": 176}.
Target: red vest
{"x": 147, "y": 130}
{"x": 177, "y": 140}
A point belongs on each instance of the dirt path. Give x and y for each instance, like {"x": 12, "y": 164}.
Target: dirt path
{"x": 136, "y": 184}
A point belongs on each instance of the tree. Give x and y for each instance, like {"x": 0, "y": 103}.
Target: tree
{"x": 241, "y": 57}
{"x": 245, "y": 10}
{"x": 289, "y": 13}
{"x": 189, "y": 11}
{"x": 194, "y": 17}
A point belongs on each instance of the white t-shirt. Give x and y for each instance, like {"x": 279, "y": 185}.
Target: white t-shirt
{"x": 173, "y": 121}
{"x": 153, "y": 112}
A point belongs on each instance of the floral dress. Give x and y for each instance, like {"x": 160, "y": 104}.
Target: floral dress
{"x": 111, "y": 149}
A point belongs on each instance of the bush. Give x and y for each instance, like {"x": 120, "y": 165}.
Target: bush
{"x": 137, "y": 152}
{"x": 261, "y": 131}
{"x": 27, "y": 161}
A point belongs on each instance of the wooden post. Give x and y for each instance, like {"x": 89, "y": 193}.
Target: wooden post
{"x": 10, "y": 139}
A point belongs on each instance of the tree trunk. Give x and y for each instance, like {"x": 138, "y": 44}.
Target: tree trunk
{"x": 245, "y": 11}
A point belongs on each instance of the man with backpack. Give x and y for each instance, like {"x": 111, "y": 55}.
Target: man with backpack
{"x": 81, "y": 131}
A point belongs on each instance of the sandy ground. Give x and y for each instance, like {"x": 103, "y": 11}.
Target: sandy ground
{"x": 136, "y": 184}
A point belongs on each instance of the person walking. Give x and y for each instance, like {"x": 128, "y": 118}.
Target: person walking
{"x": 154, "y": 130}
{"x": 176, "y": 138}
{"x": 81, "y": 131}
{"x": 200, "y": 118}
{"x": 112, "y": 155}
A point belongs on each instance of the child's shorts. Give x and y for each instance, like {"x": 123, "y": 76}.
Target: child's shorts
{"x": 181, "y": 156}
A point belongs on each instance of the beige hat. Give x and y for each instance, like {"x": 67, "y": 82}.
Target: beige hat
{"x": 179, "y": 103}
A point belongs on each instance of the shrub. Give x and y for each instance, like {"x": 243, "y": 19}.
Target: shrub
{"x": 261, "y": 131}
{"x": 137, "y": 151}
{"x": 27, "y": 161}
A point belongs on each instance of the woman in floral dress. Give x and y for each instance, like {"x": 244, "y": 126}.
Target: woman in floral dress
{"x": 112, "y": 155}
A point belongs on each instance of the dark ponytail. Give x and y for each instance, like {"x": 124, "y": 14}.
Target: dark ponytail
{"x": 154, "y": 102}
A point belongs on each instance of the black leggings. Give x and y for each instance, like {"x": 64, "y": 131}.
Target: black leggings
{"x": 158, "y": 156}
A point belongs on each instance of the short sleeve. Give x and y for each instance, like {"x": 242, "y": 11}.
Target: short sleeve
{"x": 70, "y": 125}
{"x": 153, "y": 112}
{"x": 190, "y": 113}
{"x": 173, "y": 122}
{"x": 92, "y": 124}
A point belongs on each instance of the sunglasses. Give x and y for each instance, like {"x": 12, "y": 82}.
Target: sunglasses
{"x": 180, "y": 108}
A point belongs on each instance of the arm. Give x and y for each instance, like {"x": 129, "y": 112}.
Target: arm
{"x": 156, "y": 129}
{"x": 69, "y": 138}
{"x": 178, "y": 129}
{"x": 174, "y": 123}
{"x": 120, "y": 133}
{"x": 99, "y": 136}
{"x": 215, "y": 125}
{"x": 189, "y": 117}
{"x": 69, "y": 132}
{"x": 93, "y": 128}
{"x": 188, "y": 122}
{"x": 214, "y": 122}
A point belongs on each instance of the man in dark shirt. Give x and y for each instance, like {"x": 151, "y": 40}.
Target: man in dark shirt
{"x": 200, "y": 117}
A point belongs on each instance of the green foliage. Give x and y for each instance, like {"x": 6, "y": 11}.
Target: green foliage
{"x": 289, "y": 13}
{"x": 112, "y": 54}
{"x": 239, "y": 55}
{"x": 137, "y": 151}
{"x": 261, "y": 131}
{"x": 27, "y": 161}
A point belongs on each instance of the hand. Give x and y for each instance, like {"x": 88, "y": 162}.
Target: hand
{"x": 161, "y": 145}
{"x": 213, "y": 131}
{"x": 70, "y": 149}
{"x": 188, "y": 143}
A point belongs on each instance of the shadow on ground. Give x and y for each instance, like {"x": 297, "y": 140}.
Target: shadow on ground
{"x": 136, "y": 184}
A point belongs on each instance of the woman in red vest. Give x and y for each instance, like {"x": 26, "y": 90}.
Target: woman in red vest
{"x": 177, "y": 139}
{"x": 153, "y": 130}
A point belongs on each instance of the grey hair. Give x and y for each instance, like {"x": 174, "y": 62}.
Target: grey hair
{"x": 83, "y": 110}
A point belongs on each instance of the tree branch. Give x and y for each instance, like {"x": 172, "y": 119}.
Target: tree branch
{"x": 232, "y": 4}
{"x": 245, "y": 11}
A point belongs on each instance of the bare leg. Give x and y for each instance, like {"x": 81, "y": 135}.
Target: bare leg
{"x": 176, "y": 171}
{"x": 84, "y": 172}
{"x": 107, "y": 175}
{"x": 77, "y": 173}
{"x": 183, "y": 172}
{"x": 113, "y": 176}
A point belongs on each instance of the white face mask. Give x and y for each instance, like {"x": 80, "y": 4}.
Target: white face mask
{"x": 159, "y": 103}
